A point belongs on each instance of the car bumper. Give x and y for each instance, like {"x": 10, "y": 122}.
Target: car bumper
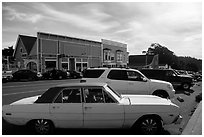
{"x": 178, "y": 119}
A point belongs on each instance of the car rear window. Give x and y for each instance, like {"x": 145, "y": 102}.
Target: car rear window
{"x": 93, "y": 73}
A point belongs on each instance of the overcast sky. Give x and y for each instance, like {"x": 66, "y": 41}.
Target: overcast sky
{"x": 177, "y": 26}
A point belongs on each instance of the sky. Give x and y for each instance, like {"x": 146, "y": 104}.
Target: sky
{"x": 175, "y": 25}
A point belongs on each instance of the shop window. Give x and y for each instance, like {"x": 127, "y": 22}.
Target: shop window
{"x": 65, "y": 66}
{"x": 85, "y": 66}
{"x": 78, "y": 67}
{"x": 50, "y": 64}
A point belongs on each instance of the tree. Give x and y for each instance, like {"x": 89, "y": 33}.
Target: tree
{"x": 8, "y": 52}
{"x": 165, "y": 55}
{"x": 168, "y": 57}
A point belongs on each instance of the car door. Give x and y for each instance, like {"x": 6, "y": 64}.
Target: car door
{"x": 101, "y": 110}
{"x": 136, "y": 83}
{"x": 172, "y": 77}
{"x": 116, "y": 79}
{"x": 67, "y": 110}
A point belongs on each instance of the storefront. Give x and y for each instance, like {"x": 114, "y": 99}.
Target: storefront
{"x": 69, "y": 53}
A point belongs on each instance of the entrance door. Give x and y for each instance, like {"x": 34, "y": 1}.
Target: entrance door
{"x": 72, "y": 64}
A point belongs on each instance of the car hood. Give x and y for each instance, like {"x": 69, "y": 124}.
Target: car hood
{"x": 185, "y": 76}
{"x": 159, "y": 81}
{"x": 29, "y": 100}
{"x": 147, "y": 100}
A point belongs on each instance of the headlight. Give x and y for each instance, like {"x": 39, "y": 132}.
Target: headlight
{"x": 170, "y": 86}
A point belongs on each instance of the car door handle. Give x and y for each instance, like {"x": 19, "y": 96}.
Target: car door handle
{"x": 131, "y": 84}
{"x": 55, "y": 107}
{"x": 87, "y": 107}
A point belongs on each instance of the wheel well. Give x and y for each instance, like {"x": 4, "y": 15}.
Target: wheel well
{"x": 144, "y": 116}
{"x": 160, "y": 91}
{"x": 185, "y": 83}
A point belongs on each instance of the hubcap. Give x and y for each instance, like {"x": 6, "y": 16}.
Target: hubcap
{"x": 185, "y": 86}
{"x": 149, "y": 126}
{"x": 42, "y": 126}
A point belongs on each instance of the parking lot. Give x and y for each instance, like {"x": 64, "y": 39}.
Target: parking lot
{"x": 13, "y": 91}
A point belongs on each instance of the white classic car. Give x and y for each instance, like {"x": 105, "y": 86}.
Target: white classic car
{"x": 91, "y": 105}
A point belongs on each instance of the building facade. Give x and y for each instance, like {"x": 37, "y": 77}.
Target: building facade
{"x": 48, "y": 51}
{"x": 25, "y": 53}
{"x": 67, "y": 53}
{"x": 114, "y": 54}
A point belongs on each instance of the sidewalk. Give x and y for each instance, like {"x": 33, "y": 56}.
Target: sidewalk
{"x": 194, "y": 126}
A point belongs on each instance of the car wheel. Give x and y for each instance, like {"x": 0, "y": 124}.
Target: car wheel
{"x": 149, "y": 125}
{"x": 60, "y": 77}
{"x": 43, "y": 127}
{"x": 185, "y": 86}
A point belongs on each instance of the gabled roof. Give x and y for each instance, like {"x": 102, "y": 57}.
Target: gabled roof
{"x": 28, "y": 42}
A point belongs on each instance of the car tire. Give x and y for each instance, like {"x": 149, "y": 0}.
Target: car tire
{"x": 43, "y": 126}
{"x": 149, "y": 125}
{"x": 186, "y": 86}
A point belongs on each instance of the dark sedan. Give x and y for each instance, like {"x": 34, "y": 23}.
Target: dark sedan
{"x": 25, "y": 75}
{"x": 73, "y": 74}
{"x": 54, "y": 74}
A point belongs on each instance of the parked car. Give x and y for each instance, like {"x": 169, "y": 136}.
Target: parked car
{"x": 129, "y": 81}
{"x": 25, "y": 74}
{"x": 91, "y": 105}
{"x": 171, "y": 76}
{"x": 6, "y": 76}
{"x": 198, "y": 76}
{"x": 54, "y": 74}
{"x": 73, "y": 74}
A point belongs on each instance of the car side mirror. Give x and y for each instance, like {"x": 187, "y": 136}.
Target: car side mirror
{"x": 144, "y": 79}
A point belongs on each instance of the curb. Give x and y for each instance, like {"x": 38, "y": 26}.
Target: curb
{"x": 194, "y": 125}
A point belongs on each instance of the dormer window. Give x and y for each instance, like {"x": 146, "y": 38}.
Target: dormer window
{"x": 21, "y": 50}
{"x": 24, "y": 55}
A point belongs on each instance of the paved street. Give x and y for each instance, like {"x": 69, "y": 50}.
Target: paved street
{"x": 13, "y": 91}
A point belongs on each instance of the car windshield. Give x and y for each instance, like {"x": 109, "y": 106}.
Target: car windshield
{"x": 115, "y": 94}
{"x": 175, "y": 73}
{"x": 49, "y": 95}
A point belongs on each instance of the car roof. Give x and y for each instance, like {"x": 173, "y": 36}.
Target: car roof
{"x": 106, "y": 68}
{"x": 82, "y": 84}
{"x": 52, "y": 92}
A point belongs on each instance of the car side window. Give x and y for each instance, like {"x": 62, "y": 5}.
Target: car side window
{"x": 72, "y": 95}
{"x": 117, "y": 75}
{"x": 59, "y": 99}
{"x": 93, "y": 95}
{"x": 170, "y": 73}
{"x": 107, "y": 97}
{"x": 134, "y": 76}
